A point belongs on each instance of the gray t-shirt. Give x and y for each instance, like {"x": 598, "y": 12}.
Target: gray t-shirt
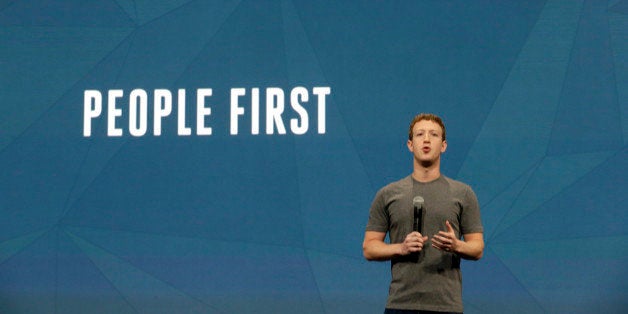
{"x": 430, "y": 280}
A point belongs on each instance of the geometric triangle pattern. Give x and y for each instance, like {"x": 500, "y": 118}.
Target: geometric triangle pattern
{"x": 141, "y": 290}
{"x": 502, "y": 291}
{"x": 10, "y": 247}
{"x": 532, "y": 93}
{"x": 553, "y": 271}
{"x": 539, "y": 190}
{"x": 51, "y": 72}
{"x": 205, "y": 277}
{"x": 143, "y": 12}
{"x": 534, "y": 96}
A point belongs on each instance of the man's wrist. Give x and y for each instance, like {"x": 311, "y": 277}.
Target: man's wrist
{"x": 398, "y": 251}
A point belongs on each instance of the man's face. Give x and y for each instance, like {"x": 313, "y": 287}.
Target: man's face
{"x": 427, "y": 142}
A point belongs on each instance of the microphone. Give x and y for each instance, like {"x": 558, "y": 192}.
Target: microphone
{"x": 418, "y": 213}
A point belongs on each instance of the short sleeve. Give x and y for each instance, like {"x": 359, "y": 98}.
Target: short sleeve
{"x": 470, "y": 221}
{"x": 378, "y": 214}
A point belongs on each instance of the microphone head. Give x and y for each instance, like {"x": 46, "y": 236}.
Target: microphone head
{"x": 418, "y": 201}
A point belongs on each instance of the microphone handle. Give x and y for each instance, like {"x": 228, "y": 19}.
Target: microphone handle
{"x": 417, "y": 226}
{"x": 418, "y": 219}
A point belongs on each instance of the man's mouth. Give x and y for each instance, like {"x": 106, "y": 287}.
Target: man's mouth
{"x": 426, "y": 149}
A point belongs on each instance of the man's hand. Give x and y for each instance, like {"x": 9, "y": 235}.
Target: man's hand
{"x": 413, "y": 243}
{"x": 471, "y": 248}
{"x": 446, "y": 240}
{"x": 375, "y": 249}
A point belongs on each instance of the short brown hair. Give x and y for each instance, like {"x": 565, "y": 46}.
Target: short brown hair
{"x": 429, "y": 117}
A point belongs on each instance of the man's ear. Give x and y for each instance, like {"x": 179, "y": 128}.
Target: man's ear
{"x": 444, "y": 148}
{"x": 409, "y": 143}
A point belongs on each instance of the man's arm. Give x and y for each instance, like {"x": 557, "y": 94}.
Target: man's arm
{"x": 375, "y": 249}
{"x": 472, "y": 247}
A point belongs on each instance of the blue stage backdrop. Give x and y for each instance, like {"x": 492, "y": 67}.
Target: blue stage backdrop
{"x": 221, "y": 156}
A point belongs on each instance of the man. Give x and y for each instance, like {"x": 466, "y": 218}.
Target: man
{"x": 425, "y": 266}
